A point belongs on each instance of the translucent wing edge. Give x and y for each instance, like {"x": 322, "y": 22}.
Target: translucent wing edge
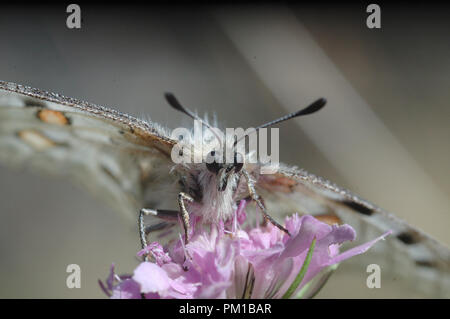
{"x": 405, "y": 233}
{"x": 142, "y": 128}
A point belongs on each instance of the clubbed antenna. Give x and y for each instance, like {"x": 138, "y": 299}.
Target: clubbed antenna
{"x": 312, "y": 108}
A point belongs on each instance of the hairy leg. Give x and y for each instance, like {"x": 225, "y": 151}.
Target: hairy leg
{"x": 258, "y": 200}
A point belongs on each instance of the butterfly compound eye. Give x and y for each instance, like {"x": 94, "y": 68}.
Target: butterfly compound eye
{"x": 212, "y": 163}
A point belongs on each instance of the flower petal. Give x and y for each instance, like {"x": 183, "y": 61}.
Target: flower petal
{"x": 310, "y": 228}
{"x": 356, "y": 250}
{"x": 127, "y": 289}
{"x": 151, "y": 278}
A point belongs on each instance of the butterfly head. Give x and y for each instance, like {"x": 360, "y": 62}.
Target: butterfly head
{"x": 219, "y": 163}
{"x": 216, "y": 163}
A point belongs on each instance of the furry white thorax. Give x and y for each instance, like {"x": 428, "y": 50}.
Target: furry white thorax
{"x": 214, "y": 205}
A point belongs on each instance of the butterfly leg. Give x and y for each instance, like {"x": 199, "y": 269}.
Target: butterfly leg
{"x": 184, "y": 214}
{"x": 167, "y": 216}
{"x": 258, "y": 200}
{"x": 260, "y": 204}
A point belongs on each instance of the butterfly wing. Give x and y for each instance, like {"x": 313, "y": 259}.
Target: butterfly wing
{"x": 408, "y": 255}
{"x": 118, "y": 157}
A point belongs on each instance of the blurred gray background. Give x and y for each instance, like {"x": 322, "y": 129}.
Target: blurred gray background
{"x": 384, "y": 134}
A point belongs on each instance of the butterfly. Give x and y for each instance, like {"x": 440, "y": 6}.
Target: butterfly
{"x": 128, "y": 162}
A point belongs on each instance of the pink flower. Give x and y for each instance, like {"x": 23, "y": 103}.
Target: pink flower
{"x": 230, "y": 262}
{"x": 120, "y": 287}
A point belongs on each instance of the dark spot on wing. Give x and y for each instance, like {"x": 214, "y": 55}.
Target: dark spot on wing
{"x": 425, "y": 263}
{"x": 360, "y": 208}
{"x": 409, "y": 237}
{"x": 34, "y": 103}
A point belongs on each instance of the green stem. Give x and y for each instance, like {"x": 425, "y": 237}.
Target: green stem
{"x": 297, "y": 281}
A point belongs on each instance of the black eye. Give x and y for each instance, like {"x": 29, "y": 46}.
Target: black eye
{"x": 212, "y": 164}
{"x": 238, "y": 161}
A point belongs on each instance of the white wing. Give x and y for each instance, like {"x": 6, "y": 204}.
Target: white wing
{"x": 109, "y": 153}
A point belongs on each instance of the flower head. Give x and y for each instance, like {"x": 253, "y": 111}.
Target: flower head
{"x": 232, "y": 260}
